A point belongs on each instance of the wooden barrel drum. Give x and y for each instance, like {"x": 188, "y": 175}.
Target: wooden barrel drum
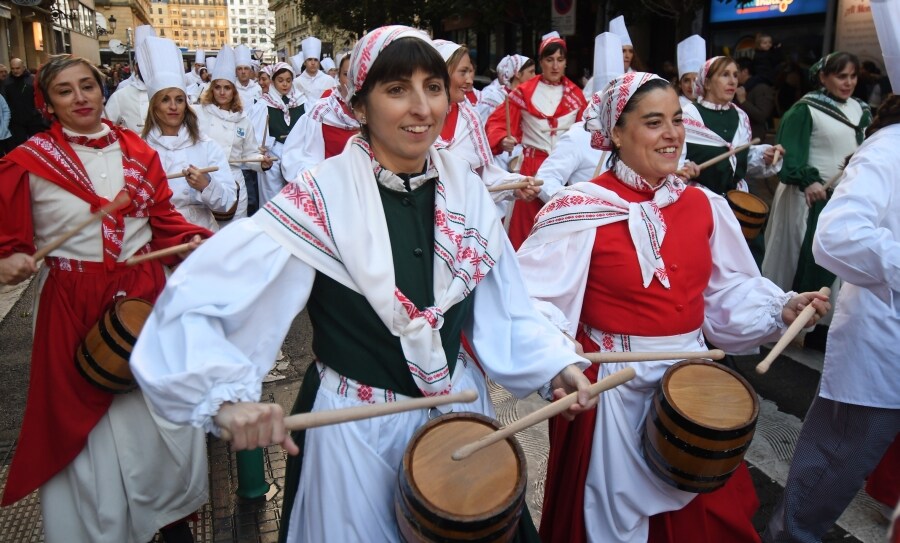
{"x": 700, "y": 425}
{"x": 751, "y": 212}
{"x": 478, "y": 499}
{"x": 102, "y": 358}
{"x": 228, "y": 215}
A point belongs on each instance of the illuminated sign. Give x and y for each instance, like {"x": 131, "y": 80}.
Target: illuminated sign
{"x": 720, "y": 12}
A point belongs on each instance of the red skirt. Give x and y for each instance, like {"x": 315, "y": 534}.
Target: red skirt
{"x": 522, "y": 219}
{"x": 884, "y": 483}
{"x": 724, "y": 515}
{"x": 62, "y": 407}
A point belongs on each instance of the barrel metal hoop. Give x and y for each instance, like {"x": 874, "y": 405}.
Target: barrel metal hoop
{"x": 103, "y": 373}
{"x": 694, "y": 450}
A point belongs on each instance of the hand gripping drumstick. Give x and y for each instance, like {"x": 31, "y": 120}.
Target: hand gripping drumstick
{"x": 176, "y": 175}
{"x": 137, "y": 259}
{"x": 790, "y": 334}
{"x": 336, "y": 416}
{"x": 121, "y": 200}
{"x": 610, "y": 381}
{"x": 506, "y": 104}
{"x": 722, "y": 157}
{"x": 606, "y": 358}
{"x": 516, "y": 185}
{"x": 776, "y": 156}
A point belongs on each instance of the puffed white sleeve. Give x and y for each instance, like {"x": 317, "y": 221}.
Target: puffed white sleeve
{"x": 221, "y": 192}
{"x": 556, "y": 274}
{"x": 756, "y": 163}
{"x": 852, "y": 240}
{"x": 216, "y": 328}
{"x": 515, "y": 344}
{"x": 563, "y": 162}
{"x": 303, "y": 149}
{"x": 743, "y": 308}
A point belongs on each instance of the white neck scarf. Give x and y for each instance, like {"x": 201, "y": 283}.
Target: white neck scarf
{"x": 273, "y": 99}
{"x": 696, "y": 131}
{"x": 224, "y": 114}
{"x": 330, "y": 111}
{"x": 332, "y": 219}
{"x": 183, "y": 140}
{"x": 588, "y": 205}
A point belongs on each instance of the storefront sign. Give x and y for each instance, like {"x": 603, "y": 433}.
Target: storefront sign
{"x": 562, "y": 16}
{"x": 720, "y": 12}
{"x": 855, "y": 31}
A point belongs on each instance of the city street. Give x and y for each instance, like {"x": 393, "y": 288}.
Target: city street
{"x": 785, "y": 393}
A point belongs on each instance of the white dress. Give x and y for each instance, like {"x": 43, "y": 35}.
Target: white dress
{"x": 101, "y": 497}
{"x": 177, "y": 153}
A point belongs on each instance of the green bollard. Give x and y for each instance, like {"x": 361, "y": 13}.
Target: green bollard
{"x": 252, "y": 483}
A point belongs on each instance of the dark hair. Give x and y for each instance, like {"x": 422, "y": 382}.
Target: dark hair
{"x": 400, "y": 60}
{"x": 553, "y": 48}
{"x": 632, "y": 103}
{"x": 528, "y": 64}
{"x": 888, "y": 114}
{"x": 745, "y": 63}
{"x": 345, "y": 58}
{"x": 836, "y": 62}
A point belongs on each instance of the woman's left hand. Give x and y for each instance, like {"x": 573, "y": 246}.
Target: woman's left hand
{"x": 266, "y": 162}
{"x": 195, "y": 242}
{"x": 569, "y": 380}
{"x": 528, "y": 193}
{"x": 689, "y": 170}
{"x": 196, "y": 179}
{"x": 798, "y": 303}
{"x": 769, "y": 155}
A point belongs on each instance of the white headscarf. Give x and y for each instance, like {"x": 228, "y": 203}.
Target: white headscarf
{"x": 273, "y": 97}
{"x": 509, "y": 67}
{"x": 607, "y": 105}
{"x": 368, "y": 48}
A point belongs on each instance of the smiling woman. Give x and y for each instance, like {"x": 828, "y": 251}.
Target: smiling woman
{"x": 52, "y": 182}
{"x": 396, "y": 251}
{"x": 649, "y": 262}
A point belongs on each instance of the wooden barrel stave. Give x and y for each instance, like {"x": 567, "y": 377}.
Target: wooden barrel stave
{"x": 102, "y": 358}
{"x": 468, "y": 518}
{"x": 688, "y": 454}
{"x": 751, "y": 212}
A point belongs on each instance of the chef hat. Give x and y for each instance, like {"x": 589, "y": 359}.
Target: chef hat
{"x": 141, "y": 33}
{"x": 608, "y": 62}
{"x": 885, "y": 11}
{"x": 211, "y": 64}
{"x": 691, "y": 55}
{"x": 617, "y": 26}
{"x": 296, "y": 62}
{"x": 242, "y": 56}
{"x": 200, "y": 57}
{"x": 446, "y": 48}
{"x": 225, "y": 66}
{"x": 161, "y": 65}
{"x": 328, "y": 64}
{"x": 312, "y": 47}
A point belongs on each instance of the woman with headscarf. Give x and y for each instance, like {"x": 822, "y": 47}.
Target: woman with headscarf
{"x": 173, "y": 130}
{"x": 818, "y": 132}
{"x": 651, "y": 265}
{"x": 540, "y": 111}
{"x": 713, "y": 125}
{"x": 223, "y": 119}
{"x": 283, "y": 106}
{"x": 463, "y": 134}
{"x": 106, "y": 467}
{"x": 512, "y": 71}
{"x": 323, "y": 132}
{"x": 397, "y": 252}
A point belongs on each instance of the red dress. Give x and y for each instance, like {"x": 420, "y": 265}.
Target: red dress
{"x": 62, "y": 407}
{"x": 616, "y": 303}
{"x": 569, "y": 111}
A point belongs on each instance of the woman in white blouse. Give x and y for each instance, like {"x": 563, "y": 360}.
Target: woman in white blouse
{"x": 223, "y": 119}
{"x": 173, "y": 131}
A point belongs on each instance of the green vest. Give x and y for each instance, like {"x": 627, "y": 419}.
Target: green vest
{"x": 719, "y": 177}
{"x": 349, "y": 337}
{"x": 279, "y": 129}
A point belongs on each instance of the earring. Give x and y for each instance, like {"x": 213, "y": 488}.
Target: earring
{"x": 362, "y": 119}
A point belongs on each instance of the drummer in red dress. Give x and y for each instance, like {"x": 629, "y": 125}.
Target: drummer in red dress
{"x": 540, "y": 111}
{"x": 651, "y": 265}
{"x": 107, "y": 470}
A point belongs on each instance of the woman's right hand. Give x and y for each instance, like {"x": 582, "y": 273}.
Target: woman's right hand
{"x": 814, "y": 193}
{"x": 196, "y": 179}
{"x": 253, "y": 425}
{"x": 16, "y": 268}
{"x": 509, "y": 143}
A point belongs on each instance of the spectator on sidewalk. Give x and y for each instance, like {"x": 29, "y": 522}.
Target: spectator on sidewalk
{"x": 756, "y": 96}
{"x": 18, "y": 89}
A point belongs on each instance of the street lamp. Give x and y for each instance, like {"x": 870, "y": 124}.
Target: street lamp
{"x": 111, "y": 23}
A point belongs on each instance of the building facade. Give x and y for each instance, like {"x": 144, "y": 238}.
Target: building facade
{"x": 292, "y": 26}
{"x": 34, "y": 32}
{"x": 253, "y": 25}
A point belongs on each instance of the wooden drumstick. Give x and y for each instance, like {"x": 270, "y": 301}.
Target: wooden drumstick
{"x": 730, "y": 153}
{"x": 603, "y": 157}
{"x": 792, "y": 331}
{"x": 176, "y": 175}
{"x": 249, "y": 160}
{"x": 610, "y": 381}
{"x": 157, "y": 254}
{"x": 303, "y": 421}
{"x": 263, "y": 148}
{"x": 121, "y": 200}
{"x": 516, "y": 185}
{"x": 776, "y": 156}
{"x": 606, "y": 358}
